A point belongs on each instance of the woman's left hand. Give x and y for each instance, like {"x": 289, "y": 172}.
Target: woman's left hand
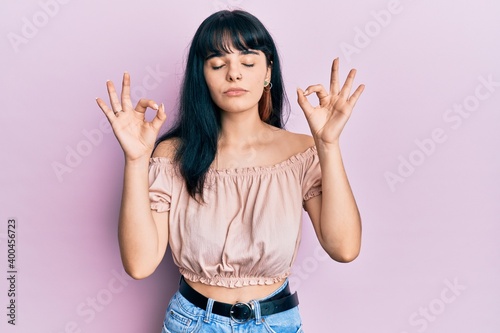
{"x": 335, "y": 107}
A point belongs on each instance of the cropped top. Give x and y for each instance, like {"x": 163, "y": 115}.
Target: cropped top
{"x": 247, "y": 230}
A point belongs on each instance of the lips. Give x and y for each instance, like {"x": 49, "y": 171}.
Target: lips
{"x": 235, "y": 92}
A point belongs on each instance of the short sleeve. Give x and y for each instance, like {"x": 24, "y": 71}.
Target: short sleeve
{"x": 160, "y": 183}
{"x": 311, "y": 183}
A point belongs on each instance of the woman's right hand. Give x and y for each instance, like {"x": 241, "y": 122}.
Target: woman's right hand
{"x": 135, "y": 135}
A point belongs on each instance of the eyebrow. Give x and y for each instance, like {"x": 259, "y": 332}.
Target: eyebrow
{"x": 219, "y": 54}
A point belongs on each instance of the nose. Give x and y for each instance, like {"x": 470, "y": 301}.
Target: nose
{"x": 233, "y": 73}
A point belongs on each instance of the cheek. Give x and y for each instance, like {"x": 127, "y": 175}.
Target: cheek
{"x": 210, "y": 84}
{"x": 213, "y": 93}
{"x": 259, "y": 79}
{"x": 258, "y": 84}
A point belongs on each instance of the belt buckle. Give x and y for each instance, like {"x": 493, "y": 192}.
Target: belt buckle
{"x": 241, "y": 312}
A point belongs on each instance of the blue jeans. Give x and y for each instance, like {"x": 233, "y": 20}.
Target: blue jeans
{"x": 184, "y": 317}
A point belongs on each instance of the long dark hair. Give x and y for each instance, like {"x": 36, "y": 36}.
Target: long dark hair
{"x": 198, "y": 124}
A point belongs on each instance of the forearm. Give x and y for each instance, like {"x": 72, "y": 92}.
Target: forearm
{"x": 340, "y": 222}
{"x": 137, "y": 231}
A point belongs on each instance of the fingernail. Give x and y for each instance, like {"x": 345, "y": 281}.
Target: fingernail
{"x": 306, "y": 92}
{"x": 156, "y": 106}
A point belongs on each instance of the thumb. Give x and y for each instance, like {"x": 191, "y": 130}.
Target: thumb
{"x": 303, "y": 102}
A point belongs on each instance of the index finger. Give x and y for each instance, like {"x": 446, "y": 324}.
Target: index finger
{"x": 126, "y": 90}
{"x": 334, "y": 78}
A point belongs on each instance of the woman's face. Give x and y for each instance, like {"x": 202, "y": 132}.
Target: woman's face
{"x": 236, "y": 80}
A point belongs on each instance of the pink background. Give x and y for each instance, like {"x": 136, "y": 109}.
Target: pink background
{"x": 421, "y": 151}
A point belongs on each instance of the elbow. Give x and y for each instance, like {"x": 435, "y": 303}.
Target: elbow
{"x": 343, "y": 255}
{"x": 138, "y": 273}
{"x": 139, "y": 267}
{"x": 345, "y": 258}
{"x": 343, "y": 250}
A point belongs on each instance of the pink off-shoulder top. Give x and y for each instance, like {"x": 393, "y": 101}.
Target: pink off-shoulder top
{"x": 248, "y": 230}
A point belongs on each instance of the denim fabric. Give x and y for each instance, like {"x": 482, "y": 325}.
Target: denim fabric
{"x": 184, "y": 317}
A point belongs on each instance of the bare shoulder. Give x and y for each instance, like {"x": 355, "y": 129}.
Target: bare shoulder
{"x": 166, "y": 148}
{"x": 298, "y": 142}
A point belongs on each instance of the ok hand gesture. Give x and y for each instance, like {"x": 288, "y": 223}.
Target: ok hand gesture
{"x": 135, "y": 135}
{"x": 329, "y": 118}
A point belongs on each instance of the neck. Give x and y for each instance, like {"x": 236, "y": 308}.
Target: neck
{"x": 241, "y": 129}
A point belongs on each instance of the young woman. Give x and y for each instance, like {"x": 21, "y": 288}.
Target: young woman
{"x": 225, "y": 187}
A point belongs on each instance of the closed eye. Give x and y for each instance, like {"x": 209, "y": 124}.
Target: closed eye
{"x": 217, "y": 67}
{"x": 248, "y": 65}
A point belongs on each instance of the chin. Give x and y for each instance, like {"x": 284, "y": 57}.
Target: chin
{"x": 237, "y": 108}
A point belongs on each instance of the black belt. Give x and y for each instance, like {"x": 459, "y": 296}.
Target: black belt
{"x": 241, "y": 312}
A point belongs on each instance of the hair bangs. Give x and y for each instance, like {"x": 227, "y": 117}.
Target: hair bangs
{"x": 229, "y": 33}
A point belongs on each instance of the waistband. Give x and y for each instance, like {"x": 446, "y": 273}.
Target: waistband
{"x": 241, "y": 312}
